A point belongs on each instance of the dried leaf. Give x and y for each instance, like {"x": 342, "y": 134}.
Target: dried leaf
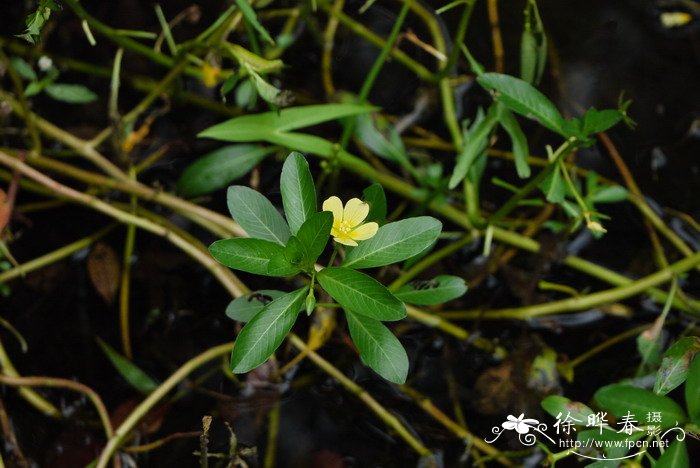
{"x": 4, "y": 210}
{"x": 103, "y": 268}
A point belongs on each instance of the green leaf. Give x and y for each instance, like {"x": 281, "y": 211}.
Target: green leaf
{"x": 70, "y": 93}
{"x": 475, "y": 143}
{"x": 614, "y": 450}
{"x": 252, "y": 18}
{"x": 313, "y": 235}
{"x": 610, "y": 194}
{"x": 270, "y": 124}
{"x": 533, "y": 45}
{"x": 260, "y": 337}
{"x": 294, "y": 251}
{"x": 519, "y": 141}
{"x": 361, "y": 293}
{"x": 23, "y": 69}
{"x": 553, "y": 186}
{"x": 441, "y": 289}
{"x": 256, "y": 215}
{"x": 298, "y": 191}
{"x": 375, "y": 197}
{"x": 621, "y": 398}
{"x": 522, "y": 98}
{"x": 127, "y": 369}
{"x": 217, "y": 169}
{"x": 292, "y": 258}
{"x": 595, "y": 121}
{"x": 382, "y": 139}
{"x": 675, "y": 364}
{"x": 649, "y": 345}
{"x": 555, "y": 404}
{"x": 269, "y": 92}
{"x": 395, "y": 242}
{"x": 692, "y": 390}
{"x": 379, "y": 349}
{"x": 675, "y": 456}
{"x": 251, "y": 256}
{"x": 244, "y": 308}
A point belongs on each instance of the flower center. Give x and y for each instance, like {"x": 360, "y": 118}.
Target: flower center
{"x": 345, "y": 227}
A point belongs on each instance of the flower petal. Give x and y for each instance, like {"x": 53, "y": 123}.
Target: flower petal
{"x": 365, "y": 231}
{"x": 335, "y": 206}
{"x": 345, "y": 240}
{"x": 355, "y": 212}
{"x": 509, "y": 425}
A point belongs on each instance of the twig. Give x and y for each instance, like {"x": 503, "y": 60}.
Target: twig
{"x": 426, "y": 405}
{"x": 64, "y": 383}
{"x": 11, "y": 438}
{"x": 158, "y": 394}
{"x": 232, "y": 283}
{"x": 584, "y": 302}
{"x": 496, "y": 38}
{"x": 29, "y": 394}
{"x": 161, "y": 442}
{"x": 55, "y": 255}
{"x": 388, "y": 418}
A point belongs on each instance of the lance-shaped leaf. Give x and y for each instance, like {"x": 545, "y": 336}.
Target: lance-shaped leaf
{"x": 675, "y": 364}
{"x": 521, "y": 97}
{"x": 220, "y": 167}
{"x": 395, "y": 242}
{"x": 244, "y": 308}
{"x": 260, "y": 337}
{"x": 556, "y": 404}
{"x": 436, "y": 291}
{"x": 375, "y": 197}
{"x": 252, "y": 18}
{"x": 692, "y": 390}
{"x": 476, "y": 142}
{"x": 131, "y": 373}
{"x": 361, "y": 293}
{"x": 620, "y": 399}
{"x": 251, "y": 256}
{"x": 675, "y": 456}
{"x": 519, "y": 141}
{"x": 298, "y": 191}
{"x": 313, "y": 235}
{"x": 264, "y": 126}
{"x": 379, "y": 348}
{"x": 256, "y": 215}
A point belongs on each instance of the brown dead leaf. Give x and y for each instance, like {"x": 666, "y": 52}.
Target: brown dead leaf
{"x": 103, "y": 268}
{"x": 149, "y": 424}
{"x": 4, "y": 210}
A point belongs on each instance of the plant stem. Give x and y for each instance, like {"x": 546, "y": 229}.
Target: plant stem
{"x": 232, "y": 283}
{"x": 64, "y": 383}
{"x": 31, "y": 396}
{"x": 584, "y": 302}
{"x": 362, "y": 394}
{"x": 430, "y": 260}
{"x": 565, "y": 149}
{"x": 470, "y": 439}
{"x": 158, "y": 394}
{"x": 273, "y": 426}
{"x": 54, "y": 256}
{"x": 374, "y": 71}
{"x": 372, "y": 38}
{"x": 606, "y": 344}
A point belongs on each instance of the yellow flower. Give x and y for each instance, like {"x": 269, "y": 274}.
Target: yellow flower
{"x": 210, "y": 75}
{"x": 348, "y": 227}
